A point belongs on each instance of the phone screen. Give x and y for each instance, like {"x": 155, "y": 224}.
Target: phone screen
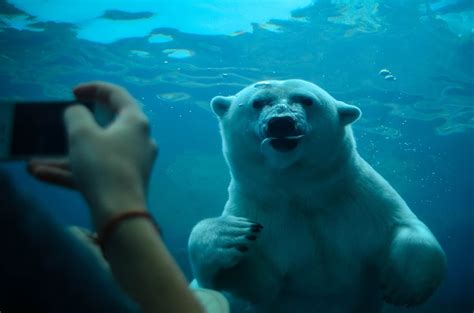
{"x": 35, "y": 129}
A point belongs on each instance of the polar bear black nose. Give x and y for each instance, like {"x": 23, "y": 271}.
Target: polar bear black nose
{"x": 281, "y": 126}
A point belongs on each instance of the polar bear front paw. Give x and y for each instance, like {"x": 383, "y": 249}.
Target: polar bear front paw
{"x": 414, "y": 269}
{"x": 397, "y": 289}
{"x": 222, "y": 242}
{"x": 234, "y": 237}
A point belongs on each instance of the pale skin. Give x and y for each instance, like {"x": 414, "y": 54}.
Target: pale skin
{"x": 111, "y": 167}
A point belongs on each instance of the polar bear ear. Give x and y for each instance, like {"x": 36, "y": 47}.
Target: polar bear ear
{"x": 220, "y": 105}
{"x": 348, "y": 114}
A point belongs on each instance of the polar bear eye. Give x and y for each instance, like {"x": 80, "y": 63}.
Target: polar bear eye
{"x": 304, "y": 100}
{"x": 260, "y": 103}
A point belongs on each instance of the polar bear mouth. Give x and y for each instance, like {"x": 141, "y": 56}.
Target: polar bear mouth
{"x": 283, "y": 144}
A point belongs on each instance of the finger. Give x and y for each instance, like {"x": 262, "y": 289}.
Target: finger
{"x": 114, "y": 97}
{"x": 134, "y": 118}
{"x": 33, "y": 168}
{"x": 79, "y": 122}
{"x": 62, "y": 163}
{"x": 54, "y": 175}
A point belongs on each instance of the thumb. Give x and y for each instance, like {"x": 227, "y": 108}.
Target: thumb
{"x": 79, "y": 123}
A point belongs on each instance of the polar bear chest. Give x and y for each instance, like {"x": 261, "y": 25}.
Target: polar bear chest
{"x": 309, "y": 253}
{"x": 305, "y": 249}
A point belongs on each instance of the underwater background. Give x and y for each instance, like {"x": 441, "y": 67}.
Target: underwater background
{"x": 416, "y": 129}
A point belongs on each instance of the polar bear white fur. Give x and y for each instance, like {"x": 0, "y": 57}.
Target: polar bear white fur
{"x": 309, "y": 226}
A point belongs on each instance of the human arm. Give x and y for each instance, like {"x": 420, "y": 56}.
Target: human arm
{"x": 111, "y": 168}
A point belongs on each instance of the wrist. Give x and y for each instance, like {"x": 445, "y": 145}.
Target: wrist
{"x": 110, "y": 204}
{"x": 107, "y": 230}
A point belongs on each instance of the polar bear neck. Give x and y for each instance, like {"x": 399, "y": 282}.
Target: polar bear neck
{"x": 320, "y": 180}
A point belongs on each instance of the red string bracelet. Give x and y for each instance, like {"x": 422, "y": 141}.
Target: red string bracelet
{"x": 105, "y": 232}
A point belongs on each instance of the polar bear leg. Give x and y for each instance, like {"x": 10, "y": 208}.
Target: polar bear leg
{"x": 219, "y": 243}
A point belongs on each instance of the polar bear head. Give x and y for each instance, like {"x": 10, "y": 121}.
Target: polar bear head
{"x": 279, "y": 124}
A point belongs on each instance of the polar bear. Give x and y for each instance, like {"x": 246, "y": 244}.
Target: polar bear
{"x": 309, "y": 226}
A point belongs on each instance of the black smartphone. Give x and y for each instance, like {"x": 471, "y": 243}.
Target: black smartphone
{"x": 34, "y": 129}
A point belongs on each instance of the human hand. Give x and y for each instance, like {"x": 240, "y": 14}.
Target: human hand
{"x": 110, "y": 166}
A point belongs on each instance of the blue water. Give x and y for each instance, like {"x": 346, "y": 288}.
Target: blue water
{"x": 416, "y": 131}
